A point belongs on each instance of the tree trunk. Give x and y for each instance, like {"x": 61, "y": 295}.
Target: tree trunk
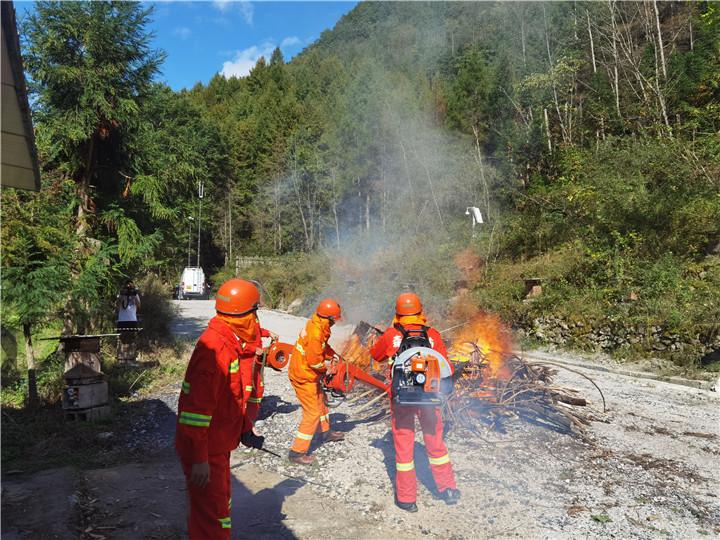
{"x": 230, "y": 226}
{"x": 277, "y": 228}
{"x": 616, "y": 59}
{"x": 692, "y": 43}
{"x": 561, "y": 120}
{"x": 30, "y": 361}
{"x": 592, "y": 42}
{"x": 299, "y": 202}
{"x": 659, "y": 65}
{"x": 575, "y": 23}
{"x": 483, "y": 180}
{"x": 522, "y": 36}
{"x": 367, "y": 211}
{"x": 660, "y": 41}
{"x": 432, "y": 187}
{"x": 83, "y": 191}
{"x": 337, "y": 225}
{"x": 547, "y": 130}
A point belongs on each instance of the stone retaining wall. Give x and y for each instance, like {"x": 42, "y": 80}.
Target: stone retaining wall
{"x": 610, "y": 336}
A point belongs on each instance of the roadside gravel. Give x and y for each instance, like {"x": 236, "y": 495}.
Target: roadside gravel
{"x": 650, "y": 469}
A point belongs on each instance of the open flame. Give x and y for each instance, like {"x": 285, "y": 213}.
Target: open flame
{"x": 354, "y": 352}
{"x": 493, "y": 339}
{"x": 483, "y": 345}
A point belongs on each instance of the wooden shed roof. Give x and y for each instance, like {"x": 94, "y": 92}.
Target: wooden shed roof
{"x": 18, "y": 153}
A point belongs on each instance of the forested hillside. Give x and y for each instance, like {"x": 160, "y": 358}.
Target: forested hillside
{"x": 586, "y": 132}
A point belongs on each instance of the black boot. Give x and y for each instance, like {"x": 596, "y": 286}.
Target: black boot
{"x": 408, "y": 507}
{"x": 450, "y": 496}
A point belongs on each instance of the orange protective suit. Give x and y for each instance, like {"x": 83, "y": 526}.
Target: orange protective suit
{"x": 249, "y": 335}
{"x": 307, "y": 366}
{"x": 210, "y": 420}
{"x": 403, "y": 418}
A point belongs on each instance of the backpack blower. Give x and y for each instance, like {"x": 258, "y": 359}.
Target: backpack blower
{"x": 421, "y": 376}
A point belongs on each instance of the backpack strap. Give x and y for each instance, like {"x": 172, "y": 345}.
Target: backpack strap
{"x": 407, "y": 333}
{"x": 400, "y": 328}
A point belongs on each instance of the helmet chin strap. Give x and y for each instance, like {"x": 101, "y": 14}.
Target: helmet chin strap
{"x": 329, "y": 318}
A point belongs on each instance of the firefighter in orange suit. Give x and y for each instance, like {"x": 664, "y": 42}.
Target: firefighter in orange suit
{"x": 212, "y": 408}
{"x": 307, "y": 367}
{"x": 409, "y": 316}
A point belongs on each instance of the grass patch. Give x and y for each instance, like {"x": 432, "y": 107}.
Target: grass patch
{"x": 679, "y": 296}
{"x": 36, "y": 439}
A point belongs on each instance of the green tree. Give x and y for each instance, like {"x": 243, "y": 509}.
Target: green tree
{"x": 37, "y": 242}
{"x": 91, "y": 67}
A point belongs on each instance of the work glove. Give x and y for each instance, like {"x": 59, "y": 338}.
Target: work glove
{"x": 251, "y": 440}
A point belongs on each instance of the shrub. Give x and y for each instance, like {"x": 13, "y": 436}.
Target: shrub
{"x": 155, "y": 313}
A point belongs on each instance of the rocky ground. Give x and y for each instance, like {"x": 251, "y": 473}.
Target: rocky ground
{"x": 648, "y": 469}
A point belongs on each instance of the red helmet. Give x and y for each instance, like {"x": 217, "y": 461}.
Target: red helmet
{"x": 237, "y": 297}
{"x": 329, "y": 309}
{"x": 408, "y": 304}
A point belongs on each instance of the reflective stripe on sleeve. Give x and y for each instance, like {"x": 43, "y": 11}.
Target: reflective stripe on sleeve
{"x": 194, "y": 419}
{"x": 185, "y": 387}
{"x": 225, "y": 523}
{"x": 325, "y": 417}
{"x": 235, "y": 366}
{"x": 300, "y": 348}
{"x": 303, "y": 436}
{"x": 254, "y": 400}
{"x": 317, "y": 366}
{"x": 442, "y": 460}
{"x": 248, "y": 388}
{"x": 403, "y": 467}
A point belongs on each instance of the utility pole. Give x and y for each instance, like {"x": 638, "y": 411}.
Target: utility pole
{"x": 190, "y": 219}
{"x": 201, "y": 192}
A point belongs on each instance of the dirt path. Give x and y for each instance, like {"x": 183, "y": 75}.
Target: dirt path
{"x": 650, "y": 470}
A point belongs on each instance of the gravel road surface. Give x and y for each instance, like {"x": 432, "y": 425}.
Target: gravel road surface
{"x": 649, "y": 469}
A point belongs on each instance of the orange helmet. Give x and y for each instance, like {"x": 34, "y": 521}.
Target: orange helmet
{"x": 237, "y": 297}
{"x": 408, "y": 304}
{"x": 329, "y": 309}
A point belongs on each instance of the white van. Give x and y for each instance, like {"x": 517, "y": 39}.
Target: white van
{"x": 192, "y": 284}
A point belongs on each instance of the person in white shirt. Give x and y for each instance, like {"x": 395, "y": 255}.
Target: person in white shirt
{"x": 127, "y": 304}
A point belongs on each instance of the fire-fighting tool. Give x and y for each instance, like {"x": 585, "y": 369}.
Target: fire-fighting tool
{"x": 341, "y": 376}
{"x": 271, "y": 452}
{"x": 279, "y": 355}
{"x": 421, "y": 376}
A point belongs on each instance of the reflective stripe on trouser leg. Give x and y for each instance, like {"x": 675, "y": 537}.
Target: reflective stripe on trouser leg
{"x": 209, "y": 513}
{"x": 403, "y": 429}
{"x": 440, "y": 465}
{"x": 307, "y": 394}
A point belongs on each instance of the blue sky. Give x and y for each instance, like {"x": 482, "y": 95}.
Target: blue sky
{"x": 204, "y": 38}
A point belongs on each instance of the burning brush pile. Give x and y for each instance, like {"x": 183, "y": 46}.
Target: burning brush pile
{"x": 493, "y": 384}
